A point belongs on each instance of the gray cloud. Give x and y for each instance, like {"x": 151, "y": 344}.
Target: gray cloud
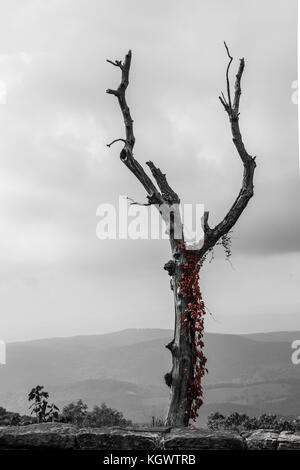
{"x": 57, "y": 169}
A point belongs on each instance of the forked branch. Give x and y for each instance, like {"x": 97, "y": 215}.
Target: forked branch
{"x": 246, "y": 191}
{"x": 166, "y": 194}
{"x": 163, "y": 193}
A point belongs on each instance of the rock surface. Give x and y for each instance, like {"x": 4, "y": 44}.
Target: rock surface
{"x": 64, "y": 436}
{"x": 289, "y": 441}
{"x": 38, "y": 436}
{"x": 262, "y": 440}
{"x": 117, "y": 439}
{"x": 185, "y": 439}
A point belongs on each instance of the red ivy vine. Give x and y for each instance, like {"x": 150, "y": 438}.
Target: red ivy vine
{"x": 193, "y": 320}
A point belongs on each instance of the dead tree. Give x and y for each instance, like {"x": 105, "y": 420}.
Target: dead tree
{"x": 188, "y": 361}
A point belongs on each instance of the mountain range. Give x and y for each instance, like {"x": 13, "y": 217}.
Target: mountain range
{"x": 247, "y": 373}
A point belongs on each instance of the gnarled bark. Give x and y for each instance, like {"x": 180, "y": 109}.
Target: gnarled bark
{"x": 182, "y": 348}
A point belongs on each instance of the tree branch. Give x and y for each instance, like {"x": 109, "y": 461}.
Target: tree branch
{"x": 206, "y": 227}
{"x": 227, "y": 74}
{"x": 135, "y": 203}
{"x": 116, "y": 140}
{"x": 116, "y": 63}
{"x": 126, "y": 154}
{"x": 247, "y": 189}
{"x": 167, "y": 192}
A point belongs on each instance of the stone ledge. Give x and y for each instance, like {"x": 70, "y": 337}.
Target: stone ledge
{"x": 202, "y": 439}
{"x": 289, "y": 441}
{"x": 66, "y": 437}
{"x": 118, "y": 439}
{"x": 38, "y": 436}
{"x": 261, "y": 440}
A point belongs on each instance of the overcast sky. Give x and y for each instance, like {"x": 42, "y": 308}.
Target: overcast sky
{"x": 56, "y": 277}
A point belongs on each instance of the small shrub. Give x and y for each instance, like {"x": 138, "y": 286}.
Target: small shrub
{"x": 40, "y": 407}
{"x": 75, "y": 413}
{"x": 105, "y": 416}
{"x": 216, "y": 421}
{"x": 239, "y": 422}
{"x": 8, "y": 418}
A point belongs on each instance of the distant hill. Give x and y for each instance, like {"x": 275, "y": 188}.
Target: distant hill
{"x": 125, "y": 369}
{"x": 276, "y": 336}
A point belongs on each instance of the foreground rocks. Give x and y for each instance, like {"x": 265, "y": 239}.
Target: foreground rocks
{"x": 202, "y": 439}
{"x": 64, "y": 436}
{"x": 38, "y": 436}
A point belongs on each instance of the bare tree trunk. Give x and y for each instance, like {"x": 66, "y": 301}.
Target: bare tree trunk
{"x": 184, "y": 378}
{"x": 182, "y": 356}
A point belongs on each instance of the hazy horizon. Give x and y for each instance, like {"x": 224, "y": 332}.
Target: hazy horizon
{"x": 211, "y": 331}
{"x": 251, "y": 374}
